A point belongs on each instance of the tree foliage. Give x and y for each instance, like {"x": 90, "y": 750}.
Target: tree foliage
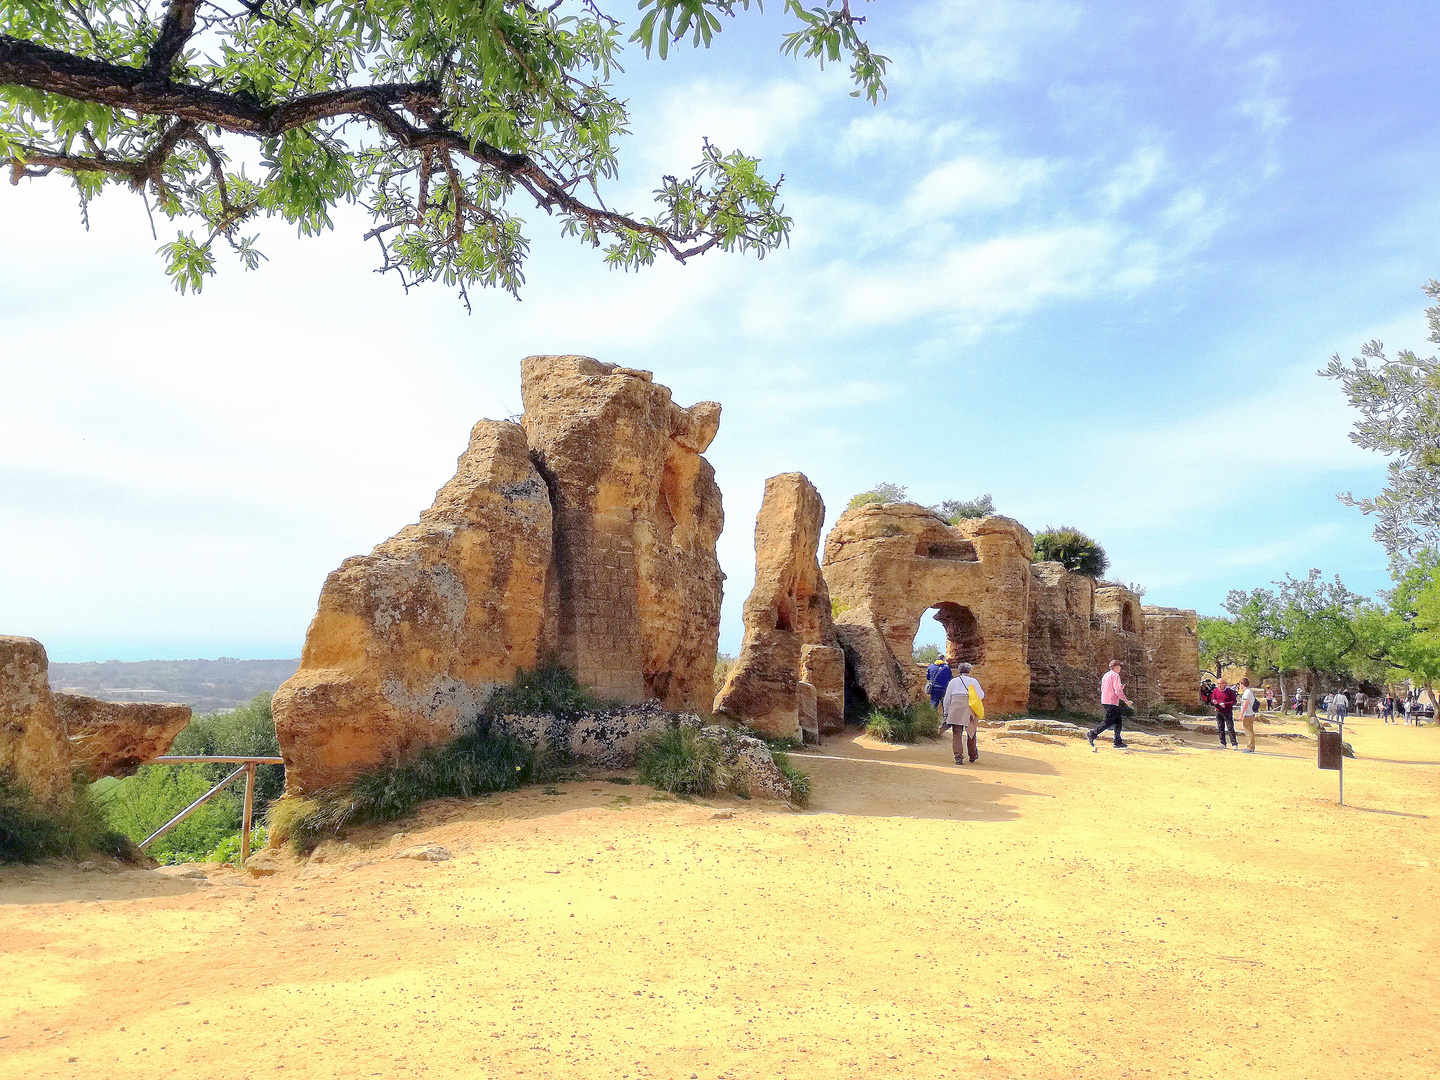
{"x": 881, "y": 493}
{"x": 1399, "y": 404}
{"x": 1073, "y": 550}
{"x": 436, "y": 116}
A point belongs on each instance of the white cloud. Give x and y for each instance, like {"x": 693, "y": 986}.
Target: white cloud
{"x": 970, "y": 184}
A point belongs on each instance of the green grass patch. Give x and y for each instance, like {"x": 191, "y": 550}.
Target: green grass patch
{"x": 920, "y": 720}
{"x": 547, "y": 691}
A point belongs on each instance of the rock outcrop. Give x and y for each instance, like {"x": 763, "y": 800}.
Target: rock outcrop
{"x": 45, "y": 737}
{"x": 583, "y": 537}
{"x": 887, "y": 563}
{"x": 410, "y": 641}
{"x": 787, "y": 610}
{"x": 1172, "y": 641}
{"x": 634, "y": 607}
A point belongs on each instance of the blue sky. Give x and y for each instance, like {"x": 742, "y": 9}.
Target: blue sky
{"x": 1086, "y": 257}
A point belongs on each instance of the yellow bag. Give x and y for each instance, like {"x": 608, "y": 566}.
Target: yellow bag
{"x": 977, "y": 706}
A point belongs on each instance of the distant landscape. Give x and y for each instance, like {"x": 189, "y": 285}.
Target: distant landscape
{"x": 204, "y": 685}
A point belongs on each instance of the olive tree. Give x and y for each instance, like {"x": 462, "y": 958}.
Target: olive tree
{"x": 1399, "y": 405}
{"x": 437, "y": 116}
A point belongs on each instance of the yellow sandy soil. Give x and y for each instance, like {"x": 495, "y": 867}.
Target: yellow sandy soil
{"x": 1050, "y": 912}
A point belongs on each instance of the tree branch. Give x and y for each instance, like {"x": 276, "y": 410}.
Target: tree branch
{"x": 175, "y": 31}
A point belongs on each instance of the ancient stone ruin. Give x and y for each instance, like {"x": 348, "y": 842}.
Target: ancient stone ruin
{"x": 1038, "y": 635}
{"x": 45, "y": 737}
{"x": 582, "y": 537}
{"x": 789, "y": 677}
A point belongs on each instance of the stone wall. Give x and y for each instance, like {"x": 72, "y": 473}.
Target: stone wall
{"x": 890, "y": 562}
{"x": 45, "y": 736}
{"x": 1173, "y": 640}
{"x": 1039, "y": 637}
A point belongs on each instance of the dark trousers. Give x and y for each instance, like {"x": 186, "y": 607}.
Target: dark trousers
{"x": 1225, "y": 719}
{"x": 1113, "y": 718}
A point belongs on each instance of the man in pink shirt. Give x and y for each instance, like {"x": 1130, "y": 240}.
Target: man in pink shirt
{"x": 1112, "y": 693}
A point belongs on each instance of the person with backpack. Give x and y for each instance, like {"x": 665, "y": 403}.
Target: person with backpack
{"x": 1224, "y": 701}
{"x": 1112, "y": 693}
{"x": 962, "y": 709}
{"x": 937, "y": 677}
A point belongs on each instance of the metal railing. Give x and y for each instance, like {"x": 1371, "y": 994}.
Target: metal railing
{"x": 247, "y": 766}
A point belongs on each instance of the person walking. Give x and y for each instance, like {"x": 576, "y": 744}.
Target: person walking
{"x": 1224, "y": 701}
{"x": 1341, "y": 704}
{"x": 1269, "y": 700}
{"x": 937, "y": 677}
{"x": 1112, "y": 693}
{"x": 959, "y": 717}
{"x": 1248, "y": 707}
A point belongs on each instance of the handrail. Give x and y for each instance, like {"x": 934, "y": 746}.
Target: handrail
{"x": 247, "y": 766}
{"x": 221, "y": 757}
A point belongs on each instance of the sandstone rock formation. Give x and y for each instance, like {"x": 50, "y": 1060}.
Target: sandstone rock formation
{"x": 583, "y": 537}
{"x": 607, "y": 736}
{"x": 410, "y": 640}
{"x": 44, "y": 737}
{"x": 887, "y": 563}
{"x": 635, "y": 599}
{"x": 788, "y": 610}
{"x": 110, "y": 739}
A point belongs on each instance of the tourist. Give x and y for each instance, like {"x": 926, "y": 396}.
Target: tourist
{"x": 937, "y": 677}
{"x": 1269, "y": 700}
{"x": 959, "y": 717}
{"x": 1112, "y": 693}
{"x": 1224, "y": 701}
{"x": 1299, "y": 701}
{"x": 1248, "y": 707}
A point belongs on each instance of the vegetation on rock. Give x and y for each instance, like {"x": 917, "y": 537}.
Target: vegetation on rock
{"x": 1073, "y": 550}
{"x": 880, "y": 493}
{"x": 30, "y": 831}
{"x": 679, "y": 759}
{"x": 920, "y": 720}
{"x": 955, "y": 511}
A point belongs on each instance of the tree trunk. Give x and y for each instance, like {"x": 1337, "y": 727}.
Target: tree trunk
{"x": 1283, "y": 699}
{"x": 1312, "y": 685}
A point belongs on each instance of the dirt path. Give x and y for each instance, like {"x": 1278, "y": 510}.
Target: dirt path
{"x": 1191, "y": 913}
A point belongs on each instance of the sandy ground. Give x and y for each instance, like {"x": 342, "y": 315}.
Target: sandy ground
{"x": 1049, "y": 912}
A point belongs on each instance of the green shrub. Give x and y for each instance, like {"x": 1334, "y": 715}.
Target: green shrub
{"x": 920, "y": 720}
{"x": 677, "y": 759}
{"x": 1073, "y": 550}
{"x": 30, "y": 832}
{"x": 477, "y": 763}
{"x": 228, "y": 850}
{"x": 799, "y": 779}
{"x": 552, "y": 691}
{"x": 723, "y": 663}
{"x": 880, "y": 493}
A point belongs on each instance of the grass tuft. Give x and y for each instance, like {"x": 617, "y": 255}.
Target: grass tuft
{"x": 677, "y": 759}
{"x": 552, "y": 691}
{"x": 799, "y": 778}
{"x": 30, "y": 831}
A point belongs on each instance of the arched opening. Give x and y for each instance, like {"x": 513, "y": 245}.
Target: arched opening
{"x": 963, "y": 642}
{"x": 1127, "y": 618}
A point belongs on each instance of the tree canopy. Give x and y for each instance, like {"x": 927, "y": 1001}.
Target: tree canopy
{"x": 884, "y": 492}
{"x": 436, "y": 116}
{"x": 1399, "y": 404}
{"x": 957, "y": 510}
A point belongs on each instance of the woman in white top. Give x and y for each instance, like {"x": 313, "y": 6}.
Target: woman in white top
{"x": 1248, "y": 708}
{"x": 957, "y": 714}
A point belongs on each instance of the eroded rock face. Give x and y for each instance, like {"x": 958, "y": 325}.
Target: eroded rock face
{"x": 634, "y": 607}
{"x": 111, "y": 739}
{"x": 603, "y": 737}
{"x": 1173, "y": 645}
{"x": 788, "y": 608}
{"x": 823, "y": 667}
{"x": 410, "y": 640}
{"x": 887, "y": 563}
{"x": 32, "y": 741}
{"x": 45, "y": 737}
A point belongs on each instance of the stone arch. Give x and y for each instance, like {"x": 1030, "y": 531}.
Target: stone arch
{"x": 964, "y": 642}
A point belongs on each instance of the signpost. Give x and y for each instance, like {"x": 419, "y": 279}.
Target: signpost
{"x": 1331, "y": 754}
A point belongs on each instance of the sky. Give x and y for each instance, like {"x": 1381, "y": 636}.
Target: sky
{"x": 1084, "y": 257}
